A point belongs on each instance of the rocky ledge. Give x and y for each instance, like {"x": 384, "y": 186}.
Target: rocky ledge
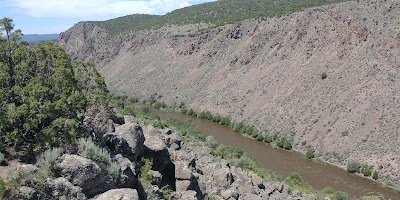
{"x": 179, "y": 163}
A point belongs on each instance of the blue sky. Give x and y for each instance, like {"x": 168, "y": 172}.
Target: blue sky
{"x": 55, "y": 16}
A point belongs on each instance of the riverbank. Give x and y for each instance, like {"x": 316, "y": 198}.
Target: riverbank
{"x": 265, "y": 157}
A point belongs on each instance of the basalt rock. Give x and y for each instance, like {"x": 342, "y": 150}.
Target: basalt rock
{"x": 80, "y": 171}
{"x": 128, "y": 141}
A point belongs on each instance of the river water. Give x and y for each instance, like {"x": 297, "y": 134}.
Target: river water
{"x": 318, "y": 175}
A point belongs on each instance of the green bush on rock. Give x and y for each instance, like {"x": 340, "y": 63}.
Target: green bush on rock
{"x": 89, "y": 150}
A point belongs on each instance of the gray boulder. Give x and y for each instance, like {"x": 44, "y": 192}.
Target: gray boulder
{"x": 155, "y": 148}
{"x": 80, "y": 171}
{"x": 120, "y": 194}
{"x": 28, "y": 193}
{"x": 157, "y": 178}
{"x": 128, "y": 141}
{"x": 187, "y": 195}
{"x": 174, "y": 140}
{"x": 128, "y": 173}
{"x": 117, "y": 117}
{"x": 62, "y": 189}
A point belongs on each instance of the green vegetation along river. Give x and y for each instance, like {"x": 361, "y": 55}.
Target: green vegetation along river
{"x": 283, "y": 162}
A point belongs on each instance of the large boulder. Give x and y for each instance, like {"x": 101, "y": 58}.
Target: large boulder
{"x": 117, "y": 117}
{"x": 128, "y": 171}
{"x": 156, "y": 149}
{"x": 62, "y": 189}
{"x": 120, "y": 194}
{"x": 128, "y": 140}
{"x": 80, "y": 171}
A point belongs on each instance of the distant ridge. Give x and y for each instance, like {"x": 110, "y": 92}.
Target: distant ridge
{"x": 214, "y": 14}
{"x": 39, "y": 37}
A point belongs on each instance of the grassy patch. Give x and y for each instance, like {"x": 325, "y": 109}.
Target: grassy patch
{"x": 217, "y": 13}
{"x": 100, "y": 156}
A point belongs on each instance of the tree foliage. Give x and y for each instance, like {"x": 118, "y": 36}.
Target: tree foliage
{"x": 43, "y": 94}
{"x": 215, "y": 14}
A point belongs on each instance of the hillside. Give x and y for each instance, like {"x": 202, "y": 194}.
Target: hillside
{"x": 213, "y": 14}
{"x": 328, "y": 76}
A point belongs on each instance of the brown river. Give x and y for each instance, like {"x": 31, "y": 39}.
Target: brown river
{"x": 318, "y": 175}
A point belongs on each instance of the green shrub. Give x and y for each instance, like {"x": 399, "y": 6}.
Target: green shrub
{"x": 375, "y": 175}
{"x": 310, "y": 153}
{"x": 254, "y": 135}
{"x": 2, "y": 187}
{"x": 1, "y": 157}
{"x": 47, "y": 160}
{"x": 216, "y": 118}
{"x": 293, "y": 179}
{"x": 166, "y": 191}
{"x": 238, "y": 127}
{"x": 267, "y": 139}
{"x": 366, "y": 170}
{"x": 133, "y": 100}
{"x": 370, "y": 198}
{"x": 145, "y": 175}
{"x": 284, "y": 143}
{"x": 353, "y": 166}
{"x": 113, "y": 169}
{"x": 191, "y": 112}
{"x": 228, "y": 152}
{"x": 339, "y": 195}
{"x": 304, "y": 143}
{"x": 259, "y": 137}
{"x": 100, "y": 156}
{"x": 226, "y": 121}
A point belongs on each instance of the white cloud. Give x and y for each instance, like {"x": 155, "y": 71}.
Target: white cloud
{"x": 95, "y": 8}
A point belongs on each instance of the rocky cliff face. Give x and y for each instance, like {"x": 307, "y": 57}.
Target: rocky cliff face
{"x": 327, "y": 75}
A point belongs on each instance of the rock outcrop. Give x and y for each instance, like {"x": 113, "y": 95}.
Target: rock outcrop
{"x": 326, "y": 75}
{"x": 190, "y": 171}
{"x": 127, "y": 140}
{"x": 80, "y": 171}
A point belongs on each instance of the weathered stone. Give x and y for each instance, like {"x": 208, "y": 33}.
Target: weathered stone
{"x": 274, "y": 187}
{"x": 167, "y": 131}
{"x": 186, "y": 195}
{"x": 182, "y": 185}
{"x": 120, "y": 194}
{"x": 128, "y": 141}
{"x": 62, "y": 189}
{"x": 117, "y": 118}
{"x": 131, "y": 119}
{"x": 286, "y": 189}
{"x": 229, "y": 194}
{"x": 182, "y": 171}
{"x": 157, "y": 178}
{"x": 257, "y": 181}
{"x": 80, "y": 171}
{"x": 155, "y": 148}
{"x": 28, "y": 193}
{"x": 251, "y": 196}
{"x": 308, "y": 197}
{"x": 174, "y": 138}
{"x": 222, "y": 178}
{"x": 127, "y": 177}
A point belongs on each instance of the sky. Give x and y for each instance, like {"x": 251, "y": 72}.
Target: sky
{"x": 55, "y": 16}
